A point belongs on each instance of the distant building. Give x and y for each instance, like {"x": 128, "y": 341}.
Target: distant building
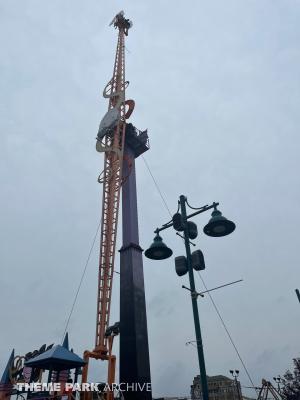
{"x": 220, "y": 387}
{"x": 170, "y": 398}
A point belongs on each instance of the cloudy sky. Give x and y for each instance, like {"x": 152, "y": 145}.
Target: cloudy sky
{"x": 217, "y": 85}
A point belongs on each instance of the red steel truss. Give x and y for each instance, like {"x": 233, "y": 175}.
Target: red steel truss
{"x": 112, "y": 144}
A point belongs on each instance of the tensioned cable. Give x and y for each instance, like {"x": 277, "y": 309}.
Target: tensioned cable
{"x": 227, "y": 331}
{"x": 157, "y": 187}
{"x": 81, "y": 279}
{"x": 213, "y": 303}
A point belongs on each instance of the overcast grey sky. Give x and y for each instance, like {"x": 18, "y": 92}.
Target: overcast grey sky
{"x": 217, "y": 85}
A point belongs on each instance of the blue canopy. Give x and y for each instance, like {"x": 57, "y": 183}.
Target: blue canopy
{"x": 58, "y": 358}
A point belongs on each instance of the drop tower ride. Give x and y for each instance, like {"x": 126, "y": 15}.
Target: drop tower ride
{"x": 121, "y": 144}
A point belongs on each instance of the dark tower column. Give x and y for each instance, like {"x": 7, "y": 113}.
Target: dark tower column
{"x": 134, "y": 350}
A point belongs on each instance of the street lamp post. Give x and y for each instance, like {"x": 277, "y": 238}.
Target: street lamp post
{"x": 235, "y": 374}
{"x": 217, "y": 226}
{"x": 194, "y": 301}
{"x": 278, "y": 380}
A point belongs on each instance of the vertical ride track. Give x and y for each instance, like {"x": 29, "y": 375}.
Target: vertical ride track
{"x": 110, "y": 140}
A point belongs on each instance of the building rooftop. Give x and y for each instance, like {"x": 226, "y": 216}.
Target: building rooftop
{"x": 215, "y": 378}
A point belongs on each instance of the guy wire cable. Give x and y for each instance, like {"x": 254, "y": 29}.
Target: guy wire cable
{"x": 157, "y": 187}
{"x": 81, "y": 280}
{"x": 227, "y": 331}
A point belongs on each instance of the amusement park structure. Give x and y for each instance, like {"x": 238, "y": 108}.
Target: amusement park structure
{"x": 121, "y": 143}
{"x": 268, "y": 391}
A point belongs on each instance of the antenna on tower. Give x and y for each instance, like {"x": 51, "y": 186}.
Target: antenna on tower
{"x": 119, "y": 21}
{"x": 121, "y": 13}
